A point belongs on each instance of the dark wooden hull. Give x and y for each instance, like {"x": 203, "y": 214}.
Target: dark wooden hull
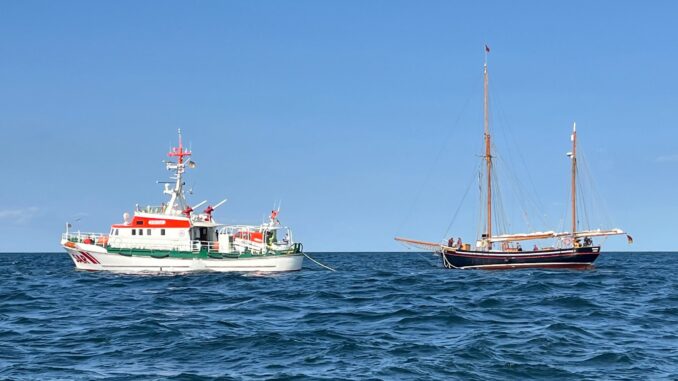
{"x": 572, "y": 258}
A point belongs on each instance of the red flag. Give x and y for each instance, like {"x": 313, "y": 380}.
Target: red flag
{"x": 487, "y": 48}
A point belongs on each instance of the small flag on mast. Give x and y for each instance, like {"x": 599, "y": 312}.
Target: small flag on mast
{"x": 487, "y": 48}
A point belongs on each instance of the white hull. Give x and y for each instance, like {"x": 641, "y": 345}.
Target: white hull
{"x": 96, "y": 258}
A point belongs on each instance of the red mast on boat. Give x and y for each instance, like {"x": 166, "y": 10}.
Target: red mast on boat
{"x": 177, "y": 200}
{"x": 179, "y": 152}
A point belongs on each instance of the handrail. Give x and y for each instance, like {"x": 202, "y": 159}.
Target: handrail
{"x": 254, "y": 228}
{"x": 194, "y": 246}
{"x": 99, "y": 239}
{"x": 154, "y": 209}
{"x": 197, "y": 245}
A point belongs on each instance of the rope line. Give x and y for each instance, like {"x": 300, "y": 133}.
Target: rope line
{"x": 461, "y": 203}
{"x": 318, "y": 263}
{"x": 446, "y": 262}
{"x": 429, "y": 173}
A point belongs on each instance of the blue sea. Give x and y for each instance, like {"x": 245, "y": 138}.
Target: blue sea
{"x": 380, "y": 316}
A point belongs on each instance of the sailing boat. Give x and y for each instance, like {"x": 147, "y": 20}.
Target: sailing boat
{"x": 575, "y": 249}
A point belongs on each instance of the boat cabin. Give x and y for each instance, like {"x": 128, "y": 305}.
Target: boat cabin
{"x": 162, "y": 232}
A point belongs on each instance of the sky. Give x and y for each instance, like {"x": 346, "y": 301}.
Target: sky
{"x": 362, "y": 118}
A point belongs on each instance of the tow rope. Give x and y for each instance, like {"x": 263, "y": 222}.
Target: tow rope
{"x": 318, "y": 263}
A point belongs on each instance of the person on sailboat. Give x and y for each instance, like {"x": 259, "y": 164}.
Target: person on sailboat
{"x": 518, "y": 247}
{"x": 450, "y": 242}
{"x": 459, "y": 242}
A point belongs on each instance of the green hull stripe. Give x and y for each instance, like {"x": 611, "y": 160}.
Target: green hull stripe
{"x": 203, "y": 254}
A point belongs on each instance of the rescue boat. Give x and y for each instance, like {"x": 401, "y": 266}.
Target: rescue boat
{"x": 173, "y": 238}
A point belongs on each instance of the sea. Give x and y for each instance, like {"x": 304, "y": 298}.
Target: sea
{"x": 379, "y": 316}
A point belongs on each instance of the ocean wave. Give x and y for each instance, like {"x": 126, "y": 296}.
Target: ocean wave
{"x": 381, "y": 316}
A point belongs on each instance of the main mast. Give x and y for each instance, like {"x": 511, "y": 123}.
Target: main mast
{"x": 574, "y": 179}
{"x": 488, "y": 154}
{"x": 177, "y": 200}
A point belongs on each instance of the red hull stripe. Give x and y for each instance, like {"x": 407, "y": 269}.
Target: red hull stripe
{"x": 90, "y": 257}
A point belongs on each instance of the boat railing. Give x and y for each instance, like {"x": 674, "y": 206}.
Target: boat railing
{"x": 99, "y": 239}
{"x": 154, "y": 209}
{"x": 201, "y": 217}
{"x": 194, "y": 246}
{"x": 210, "y": 246}
{"x": 233, "y": 229}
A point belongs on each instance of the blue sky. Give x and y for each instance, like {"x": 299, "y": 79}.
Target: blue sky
{"x": 363, "y": 117}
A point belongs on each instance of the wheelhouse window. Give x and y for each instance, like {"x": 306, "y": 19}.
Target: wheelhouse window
{"x": 148, "y": 231}
{"x": 162, "y": 231}
{"x": 141, "y": 231}
{"x": 140, "y": 222}
{"x": 134, "y": 231}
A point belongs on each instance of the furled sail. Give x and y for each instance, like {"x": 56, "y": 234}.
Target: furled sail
{"x": 552, "y": 234}
{"x": 522, "y": 236}
{"x": 593, "y": 233}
